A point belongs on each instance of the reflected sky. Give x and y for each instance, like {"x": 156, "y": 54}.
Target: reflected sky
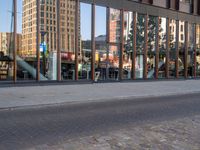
{"x": 5, "y": 15}
{"x": 6, "y": 9}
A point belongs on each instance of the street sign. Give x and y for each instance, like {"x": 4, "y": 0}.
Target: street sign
{"x": 43, "y": 47}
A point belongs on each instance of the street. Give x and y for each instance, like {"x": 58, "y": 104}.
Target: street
{"x": 54, "y": 125}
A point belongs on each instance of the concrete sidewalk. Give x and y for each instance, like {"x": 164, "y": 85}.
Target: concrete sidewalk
{"x": 58, "y": 94}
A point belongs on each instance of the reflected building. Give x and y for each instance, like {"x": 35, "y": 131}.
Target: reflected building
{"x": 128, "y": 19}
{"x": 6, "y": 54}
{"x": 131, "y": 39}
{"x": 114, "y": 34}
{"x": 173, "y": 31}
{"x": 48, "y": 25}
{"x": 6, "y": 43}
{"x": 172, "y": 26}
{"x": 114, "y": 26}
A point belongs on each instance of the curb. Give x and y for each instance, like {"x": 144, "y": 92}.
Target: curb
{"x": 98, "y": 101}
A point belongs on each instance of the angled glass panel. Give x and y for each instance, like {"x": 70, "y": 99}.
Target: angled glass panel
{"x": 84, "y": 58}
{"x": 198, "y": 50}
{"x": 114, "y": 49}
{"x": 191, "y": 52}
{"x": 101, "y": 55}
{"x": 128, "y": 44}
{"x": 162, "y": 48}
{"x": 172, "y": 48}
{"x": 26, "y": 55}
{"x": 114, "y": 62}
{"x": 114, "y": 26}
{"x": 140, "y": 46}
{"x": 6, "y": 40}
{"x": 151, "y": 52}
{"x": 181, "y": 59}
{"x": 67, "y": 32}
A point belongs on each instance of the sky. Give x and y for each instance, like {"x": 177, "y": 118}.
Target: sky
{"x": 5, "y": 15}
{"x": 100, "y": 22}
{"x": 6, "y": 8}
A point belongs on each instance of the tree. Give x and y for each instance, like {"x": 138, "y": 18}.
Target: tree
{"x": 140, "y": 34}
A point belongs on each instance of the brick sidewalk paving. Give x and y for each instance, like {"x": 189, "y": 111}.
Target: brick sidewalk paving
{"x": 180, "y": 134}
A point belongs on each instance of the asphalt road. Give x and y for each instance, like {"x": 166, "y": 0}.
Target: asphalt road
{"x": 25, "y": 128}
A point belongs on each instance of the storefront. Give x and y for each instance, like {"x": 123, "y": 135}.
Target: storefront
{"x": 116, "y": 39}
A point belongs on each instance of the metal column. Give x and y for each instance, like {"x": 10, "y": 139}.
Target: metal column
{"x": 76, "y": 38}
{"x": 157, "y": 47}
{"x": 121, "y": 44}
{"x": 93, "y": 43}
{"x": 167, "y": 48}
{"x": 15, "y": 41}
{"x": 177, "y": 50}
{"x": 38, "y": 41}
{"x": 134, "y": 53}
{"x": 195, "y": 51}
{"x": 186, "y": 51}
{"x": 145, "y": 46}
{"x": 107, "y": 40}
{"x": 58, "y": 42}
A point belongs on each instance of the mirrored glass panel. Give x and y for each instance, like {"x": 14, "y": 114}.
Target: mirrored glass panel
{"x": 172, "y": 48}
{"x": 26, "y": 55}
{"x": 114, "y": 41}
{"x": 101, "y": 55}
{"x": 114, "y": 26}
{"x": 140, "y": 46}
{"x": 162, "y": 48}
{"x": 128, "y": 44}
{"x": 198, "y": 50}
{"x": 67, "y": 41}
{"x": 151, "y": 51}
{"x": 191, "y": 53}
{"x": 181, "y": 59}
{"x": 6, "y": 40}
{"x": 48, "y": 43}
{"x": 114, "y": 62}
{"x": 84, "y": 57}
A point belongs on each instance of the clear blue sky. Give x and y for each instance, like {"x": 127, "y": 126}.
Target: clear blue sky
{"x": 86, "y": 21}
{"x": 6, "y": 8}
{"x": 5, "y": 15}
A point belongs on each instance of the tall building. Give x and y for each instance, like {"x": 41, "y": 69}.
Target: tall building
{"x": 114, "y": 35}
{"x": 114, "y": 26}
{"x": 48, "y": 25}
{"x": 155, "y": 50}
{"x": 6, "y": 54}
{"x": 6, "y": 43}
{"x": 181, "y": 31}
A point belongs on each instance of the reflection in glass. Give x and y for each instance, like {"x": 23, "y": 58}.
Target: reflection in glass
{"x": 114, "y": 26}
{"x": 67, "y": 31}
{"x": 190, "y": 56}
{"x": 128, "y": 44}
{"x": 172, "y": 48}
{"x": 198, "y": 50}
{"x": 162, "y": 48}
{"x": 48, "y": 51}
{"x": 181, "y": 59}
{"x": 6, "y": 40}
{"x": 114, "y": 62}
{"x": 151, "y": 52}
{"x": 26, "y": 56}
{"x": 84, "y": 57}
{"x": 114, "y": 34}
{"x": 140, "y": 46}
{"x": 100, "y": 43}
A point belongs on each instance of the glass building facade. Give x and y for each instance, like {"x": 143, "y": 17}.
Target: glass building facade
{"x": 75, "y": 40}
